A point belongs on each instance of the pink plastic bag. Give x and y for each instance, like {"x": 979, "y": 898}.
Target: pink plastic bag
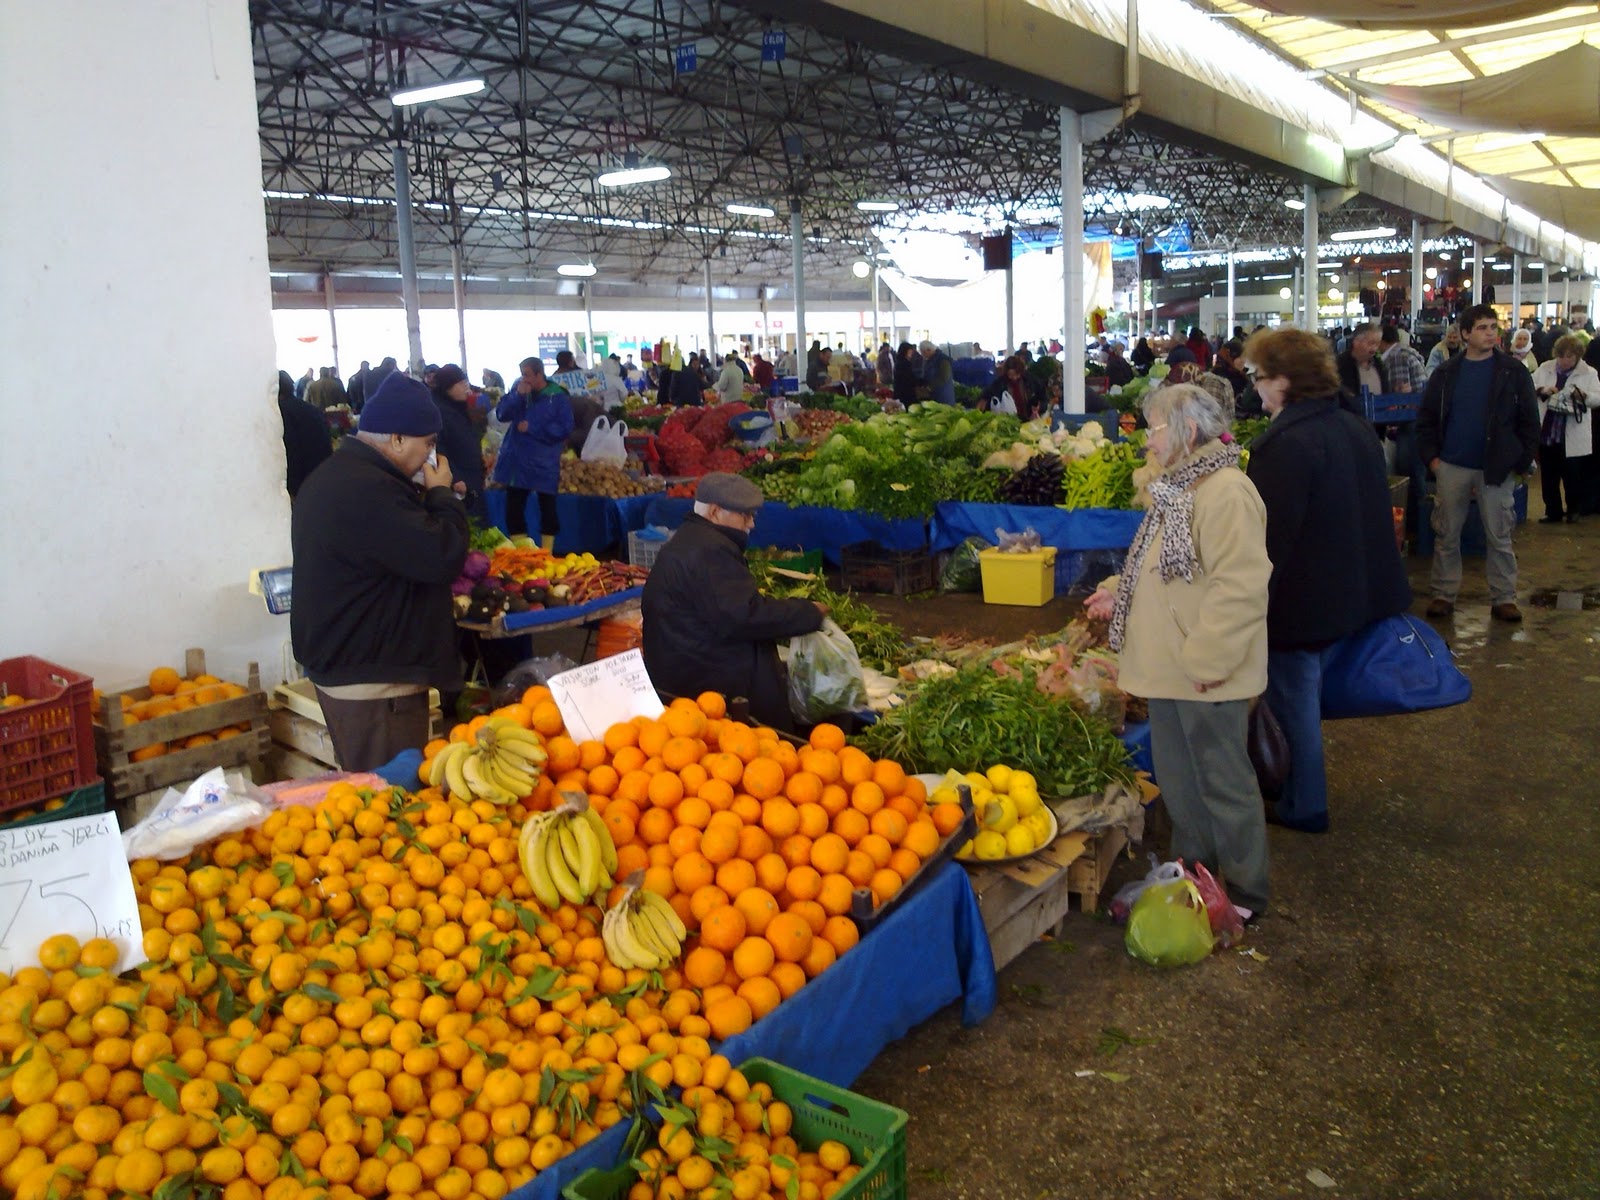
{"x": 1226, "y": 924}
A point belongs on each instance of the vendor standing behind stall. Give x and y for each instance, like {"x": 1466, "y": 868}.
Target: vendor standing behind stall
{"x": 459, "y": 438}
{"x": 374, "y": 557}
{"x": 539, "y": 414}
{"x": 706, "y": 625}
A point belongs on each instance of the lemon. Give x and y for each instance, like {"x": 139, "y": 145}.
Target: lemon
{"x": 1039, "y": 823}
{"x": 1020, "y": 840}
{"x": 989, "y": 844}
{"x": 944, "y": 795}
{"x": 977, "y": 780}
{"x": 1000, "y": 815}
{"x": 999, "y": 777}
{"x": 1027, "y": 802}
{"x": 1023, "y": 779}
{"x": 982, "y": 798}
{"x": 966, "y": 849}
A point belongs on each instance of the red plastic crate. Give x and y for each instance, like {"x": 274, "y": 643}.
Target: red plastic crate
{"x": 47, "y": 744}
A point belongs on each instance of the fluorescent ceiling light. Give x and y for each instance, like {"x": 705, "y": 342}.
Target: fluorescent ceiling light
{"x": 1538, "y": 266}
{"x": 884, "y": 256}
{"x": 1382, "y": 285}
{"x": 860, "y": 269}
{"x": 629, "y": 175}
{"x": 1326, "y": 265}
{"x": 1432, "y": 272}
{"x": 752, "y": 210}
{"x": 1363, "y": 235}
{"x": 437, "y": 91}
{"x": 878, "y": 205}
{"x": 1333, "y": 278}
{"x": 1502, "y": 266}
{"x": 576, "y": 270}
{"x": 1491, "y": 260}
{"x": 1283, "y": 293}
{"x": 1444, "y": 255}
{"x": 1297, "y": 205}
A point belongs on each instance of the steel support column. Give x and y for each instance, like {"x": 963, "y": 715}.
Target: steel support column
{"x": 1313, "y": 285}
{"x": 333, "y": 321}
{"x": 408, "y": 259}
{"x": 1477, "y": 274}
{"x": 1516, "y": 292}
{"x": 459, "y": 280}
{"x": 1072, "y": 399}
{"x": 711, "y": 315}
{"x": 797, "y": 240}
{"x": 1416, "y": 271}
{"x": 1227, "y": 331}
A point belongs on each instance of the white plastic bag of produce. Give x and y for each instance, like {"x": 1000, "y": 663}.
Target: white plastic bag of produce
{"x": 217, "y": 803}
{"x": 824, "y": 675}
{"x": 605, "y": 443}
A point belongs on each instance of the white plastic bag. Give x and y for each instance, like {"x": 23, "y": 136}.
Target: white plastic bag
{"x": 824, "y": 675}
{"x": 605, "y": 443}
{"x": 217, "y": 803}
{"x": 1005, "y": 404}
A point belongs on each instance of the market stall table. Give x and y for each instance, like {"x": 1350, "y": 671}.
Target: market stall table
{"x": 805, "y": 527}
{"x": 573, "y": 616}
{"x": 588, "y": 523}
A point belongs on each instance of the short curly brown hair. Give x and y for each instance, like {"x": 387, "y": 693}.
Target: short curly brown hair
{"x": 1567, "y": 345}
{"x": 1304, "y": 359}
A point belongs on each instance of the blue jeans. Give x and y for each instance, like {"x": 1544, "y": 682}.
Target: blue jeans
{"x": 1294, "y": 693}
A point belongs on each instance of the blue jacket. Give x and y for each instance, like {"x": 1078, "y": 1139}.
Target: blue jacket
{"x": 532, "y": 459}
{"x": 938, "y": 373}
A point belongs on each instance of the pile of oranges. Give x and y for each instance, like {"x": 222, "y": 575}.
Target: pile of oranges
{"x": 170, "y": 692}
{"x": 362, "y": 998}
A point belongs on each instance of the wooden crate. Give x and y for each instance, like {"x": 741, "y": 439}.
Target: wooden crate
{"x": 1021, "y": 901}
{"x": 115, "y": 742}
{"x": 1087, "y": 877}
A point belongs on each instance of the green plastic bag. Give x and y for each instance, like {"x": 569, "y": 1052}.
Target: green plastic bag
{"x": 963, "y": 571}
{"x": 1168, "y": 926}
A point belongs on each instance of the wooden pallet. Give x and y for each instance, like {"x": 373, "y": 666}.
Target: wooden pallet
{"x": 115, "y": 742}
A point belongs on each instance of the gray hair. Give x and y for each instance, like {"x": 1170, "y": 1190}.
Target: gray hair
{"x": 380, "y": 440}
{"x": 1192, "y": 414}
{"x": 703, "y": 508}
{"x": 925, "y": 346}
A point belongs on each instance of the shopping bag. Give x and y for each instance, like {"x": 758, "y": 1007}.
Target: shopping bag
{"x": 606, "y": 443}
{"x": 1168, "y": 926}
{"x": 1396, "y": 665}
{"x": 1268, "y": 748}
{"x": 824, "y": 675}
{"x": 1004, "y": 403}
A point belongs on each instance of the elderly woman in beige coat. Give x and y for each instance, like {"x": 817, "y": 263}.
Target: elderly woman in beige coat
{"x": 1189, "y": 620}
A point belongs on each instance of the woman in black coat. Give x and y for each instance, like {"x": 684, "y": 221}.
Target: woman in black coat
{"x": 1143, "y": 357}
{"x": 459, "y": 439}
{"x": 1336, "y": 567}
{"x": 907, "y": 374}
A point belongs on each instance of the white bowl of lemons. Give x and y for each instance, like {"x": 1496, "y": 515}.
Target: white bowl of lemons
{"x": 1013, "y": 822}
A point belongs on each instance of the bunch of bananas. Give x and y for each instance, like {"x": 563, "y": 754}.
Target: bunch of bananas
{"x": 567, "y": 853}
{"x": 642, "y": 930}
{"x": 501, "y": 765}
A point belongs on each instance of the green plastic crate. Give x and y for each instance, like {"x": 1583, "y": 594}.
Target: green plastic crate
{"x": 874, "y": 1132}
{"x": 88, "y": 801}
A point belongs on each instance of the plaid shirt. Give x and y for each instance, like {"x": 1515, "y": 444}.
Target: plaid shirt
{"x": 1405, "y": 368}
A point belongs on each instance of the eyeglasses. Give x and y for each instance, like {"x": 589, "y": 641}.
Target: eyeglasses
{"x": 1157, "y": 428}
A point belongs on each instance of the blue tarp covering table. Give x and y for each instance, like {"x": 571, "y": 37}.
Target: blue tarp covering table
{"x": 1074, "y": 533}
{"x": 588, "y": 523}
{"x": 807, "y": 528}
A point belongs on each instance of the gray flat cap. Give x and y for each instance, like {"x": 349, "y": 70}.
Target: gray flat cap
{"x": 732, "y": 492}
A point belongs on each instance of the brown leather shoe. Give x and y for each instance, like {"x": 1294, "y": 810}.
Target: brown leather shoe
{"x": 1440, "y": 607}
{"x": 1506, "y": 612}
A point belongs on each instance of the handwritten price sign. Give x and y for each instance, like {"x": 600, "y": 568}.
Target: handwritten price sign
{"x": 595, "y": 697}
{"x": 65, "y": 877}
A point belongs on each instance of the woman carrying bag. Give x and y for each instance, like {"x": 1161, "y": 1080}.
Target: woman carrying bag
{"x": 1330, "y": 535}
{"x": 1568, "y": 389}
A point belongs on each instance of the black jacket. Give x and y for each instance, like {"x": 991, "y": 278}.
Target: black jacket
{"x": 1118, "y": 370}
{"x": 1330, "y": 529}
{"x": 305, "y": 439}
{"x": 1513, "y": 417}
{"x": 462, "y": 448}
{"x": 708, "y": 628}
{"x": 906, "y": 377}
{"x": 374, "y": 557}
{"x": 1350, "y": 375}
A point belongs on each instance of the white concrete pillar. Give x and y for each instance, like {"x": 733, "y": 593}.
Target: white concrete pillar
{"x": 117, "y": 267}
{"x": 589, "y": 359}
{"x": 1227, "y": 331}
{"x": 797, "y": 241}
{"x": 333, "y": 320}
{"x": 459, "y": 281}
{"x": 711, "y": 315}
{"x": 1416, "y": 270}
{"x": 1313, "y": 279}
{"x": 1477, "y": 273}
{"x": 1072, "y": 399}
{"x": 1516, "y": 292}
{"x": 1544, "y": 291}
{"x": 408, "y": 259}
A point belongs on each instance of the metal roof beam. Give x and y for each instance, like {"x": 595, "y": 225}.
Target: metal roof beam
{"x": 1449, "y": 45}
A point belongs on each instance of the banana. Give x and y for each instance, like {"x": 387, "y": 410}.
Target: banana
{"x": 455, "y": 776}
{"x": 633, "y": 947}
{"x": 608, "y": 935}
{"x": 483, "y": 787}
{"x": 583, "y": 865}
{"x": 535, "y": 834}
{"x": 608, "y": 847}
{"x": 436, "y": 768}
{"x": 675, "y": 924}
{"x": 524, "y": 743}
{"x": 560, "y": 873}
{"x": 591, "y": 856}
{"x": 655, "y": 932}
{"x": 510, "y": 773}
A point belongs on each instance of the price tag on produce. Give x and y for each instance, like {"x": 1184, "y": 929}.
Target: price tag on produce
{"x": 65, "y": 877}
{"x": 595, "y": 697}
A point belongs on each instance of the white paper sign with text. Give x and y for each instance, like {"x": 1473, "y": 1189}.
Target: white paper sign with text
{"x": 66, "y": 877}
{"x": 594, "y": 697}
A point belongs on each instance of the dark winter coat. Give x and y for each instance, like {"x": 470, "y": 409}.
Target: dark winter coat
{"x": 1350, "y": 374}
{"x": 374, "y": 557}
{"x": 708, "y": 628}
{"x": 907, "y": 374}
{"x": 306, "y": 442}
{"x": 1513, "y": 417}
{"x": 462, "y": 447}
{"x": 531, "y": 458}
{"x": 1330, "y": 529}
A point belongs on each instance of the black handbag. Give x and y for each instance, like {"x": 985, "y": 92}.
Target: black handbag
{"x": 1268, "y": 748}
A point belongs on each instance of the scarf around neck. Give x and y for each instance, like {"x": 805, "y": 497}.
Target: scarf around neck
{"x": 1171, "y": 515}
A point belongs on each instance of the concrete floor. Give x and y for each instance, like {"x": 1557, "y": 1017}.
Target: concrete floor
{"x": 1425, "y": 1019}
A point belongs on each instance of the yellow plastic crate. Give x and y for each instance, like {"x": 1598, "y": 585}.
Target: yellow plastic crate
{"x": 1028, "y": 578}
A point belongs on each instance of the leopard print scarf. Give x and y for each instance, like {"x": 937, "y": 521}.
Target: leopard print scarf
{"x": 1171, "y": 512}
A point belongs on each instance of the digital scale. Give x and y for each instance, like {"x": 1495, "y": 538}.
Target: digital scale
{"x": 274, "y": 585}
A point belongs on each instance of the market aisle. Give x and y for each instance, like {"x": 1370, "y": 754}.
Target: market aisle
{"x": 1425, "y": 1023}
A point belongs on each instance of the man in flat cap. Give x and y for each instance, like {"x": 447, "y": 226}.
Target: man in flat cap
{"x": 706, "y": 626}
{"x": 379, "y": 534}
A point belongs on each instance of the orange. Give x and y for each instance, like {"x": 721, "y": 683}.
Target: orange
{"x": 723, "y": 928}
{"x": 659, "y": 880}
{"x": 758, "y": 907}
{"x": 803, "y": 788}
{"x": 829, "y": 853}
{"x": 835, "y": 894}
{"x": 827, "y": 737}
{"x": 763, "y": 778}
{"x": 904, "y": 863}
{"x": 562, "y": 755}
{"x": 704, "y": 901}
{"x": 633, "y": 787}
{"x": 890, "y": 825}
{"x": 796, "y": 850}
{"x": 772, "y": 872}
{"x": 692, "y": 872}
{"x": 854, "y": 766}
{"x": 916, "y": 791}
{"x": 922, "y": 835}
{"x": 866, "y": 797}
{"x": 858, "y": 868}
{"x": 790, "y": 937}
{"x": 620, "y": 735}
{"x": 546, "y": 718}
{"x": 696, "y": 813}
{"x": 620, "y": 822}
{"x": 841, "y": 933}
{"x": 876, "y": 848}
{"x": 680, "y": 752}
{"x": 535, "y": 696}
{"x": 717, "y": 793}
{"x": 812, "y": 913}
{"x": 591, "y": 754}
{"x": 735, "y": 876}
{"x": 730, "y": 1016}
{"x": 630, "y": 858}
{"x": 704, "y": 967}
{"x": 761, "y": 994}
{"x": 779, "y": 817}
{"x": 712, "y": 704}
{"x": 824, "y": 764}
{"x": 666, "y": 790}
{"x": 164, "y": 681}
{"x": 819, "y": 958}
{"x": 852, "y": 825}
{"x": 629, "y": 758}
{"x": 814, "y": 820}
{"x": 946, "y": 817}
{"x": 683, "y": 841}
{"x": 653, "y": 736}
{"x": 753, "y": 957}
{"x": 890, "y": 776}
{"x": 602, "y": 779}
{"x": 747, "y": 808}
{"x": 729, "y": 768}
{"x": 656, "y": 826}
{"x": 754, "y": 843}
{"x": 740, "y": 741}
{"x": 835, "y": 800}
{"x": 803, "y": 883}
{"x": 718, "y": 843}
{"x": 884, "y": 884}
{"x": 790, "y": 978}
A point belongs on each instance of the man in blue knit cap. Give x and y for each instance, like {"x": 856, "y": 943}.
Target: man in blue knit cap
{"x": 379, "y": 535}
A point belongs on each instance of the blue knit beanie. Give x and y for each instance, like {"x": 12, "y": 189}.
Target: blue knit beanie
{"x": 401, "y": 405}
